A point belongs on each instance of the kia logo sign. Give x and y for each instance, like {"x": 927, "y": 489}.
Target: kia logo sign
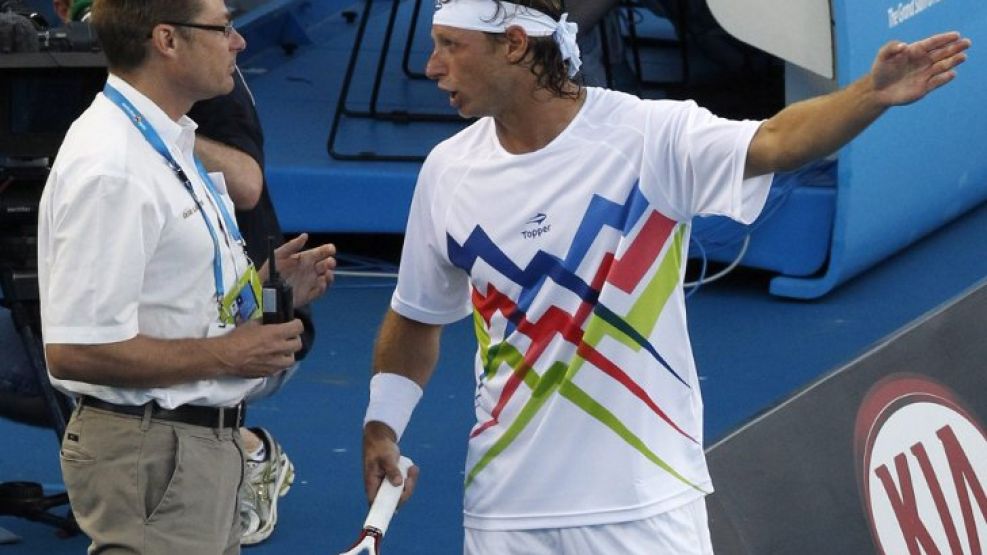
{"x": 922, "y": 469}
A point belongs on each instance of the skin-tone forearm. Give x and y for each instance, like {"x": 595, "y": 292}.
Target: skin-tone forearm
{"x": 249, "y": 351}
{"x": 812, "y": 129}
{"x": 244, "y": 178}
{"x": 410, "y": 349}
{"x": 901, "y": 74}
{"x": 407, "y": 347}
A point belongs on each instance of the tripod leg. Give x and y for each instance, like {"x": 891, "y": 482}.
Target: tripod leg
{"x": 6, "y": 536}
{"x": 58, "y": 405}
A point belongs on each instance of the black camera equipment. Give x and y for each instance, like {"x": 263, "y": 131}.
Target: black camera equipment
{"x": 19, "y": 7}
{"x": 41, "y": 94}
{"x": 74, "y": 36}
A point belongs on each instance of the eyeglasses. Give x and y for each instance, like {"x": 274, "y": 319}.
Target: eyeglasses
{"x": 227, "y": 29}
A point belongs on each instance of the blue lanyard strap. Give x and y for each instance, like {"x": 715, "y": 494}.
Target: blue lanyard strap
{"x": 152, "y": 137}
{"x": 211, "y": 187}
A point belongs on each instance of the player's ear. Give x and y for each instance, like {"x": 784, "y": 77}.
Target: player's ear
{"x": 517, "y": 44}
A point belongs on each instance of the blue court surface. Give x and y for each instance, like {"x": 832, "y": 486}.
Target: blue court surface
{"x": 753, "y": 349}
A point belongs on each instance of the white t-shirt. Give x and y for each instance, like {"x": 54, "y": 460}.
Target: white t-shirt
{"x": 571, "y": 260}
{"x": 122, "y": 248}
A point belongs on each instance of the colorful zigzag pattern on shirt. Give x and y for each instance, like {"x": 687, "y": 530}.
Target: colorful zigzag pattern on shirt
{"x": 584, "y": 329}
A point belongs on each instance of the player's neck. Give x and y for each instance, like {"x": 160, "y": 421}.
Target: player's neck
{"x": 536, "y": 120}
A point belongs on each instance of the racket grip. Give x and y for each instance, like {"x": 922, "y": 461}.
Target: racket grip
{"x": 386, "y": 500}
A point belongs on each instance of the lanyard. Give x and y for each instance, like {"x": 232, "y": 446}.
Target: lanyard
{"x": 157, "y": 143}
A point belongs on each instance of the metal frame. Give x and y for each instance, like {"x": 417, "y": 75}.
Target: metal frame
{"x": 680, "y": 24}
{"x": 406, "y": 117}
{"x": 412, "y": 28}
{"x": 394, "y": 116}
{"x": 27, "y": 499}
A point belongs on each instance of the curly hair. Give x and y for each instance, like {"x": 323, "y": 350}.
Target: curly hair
{"x": 543, "y": 58}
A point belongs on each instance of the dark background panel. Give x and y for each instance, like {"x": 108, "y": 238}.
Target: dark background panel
{"x": 787, "y": 482}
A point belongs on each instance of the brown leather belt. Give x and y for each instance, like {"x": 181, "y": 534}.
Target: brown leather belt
{"x": 208, "y": 417}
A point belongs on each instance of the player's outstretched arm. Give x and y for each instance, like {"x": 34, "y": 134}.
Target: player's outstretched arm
{"x": 811, "y": 129}
{"x": 404, "y": 359}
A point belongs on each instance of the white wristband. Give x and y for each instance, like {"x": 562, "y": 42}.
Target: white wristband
{"x": 392, "y": 400}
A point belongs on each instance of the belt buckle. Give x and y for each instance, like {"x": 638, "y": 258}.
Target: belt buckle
{"x": 223, "y": 412}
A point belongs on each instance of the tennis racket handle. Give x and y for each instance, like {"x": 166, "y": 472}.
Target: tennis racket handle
{"x": 386, "y": 500}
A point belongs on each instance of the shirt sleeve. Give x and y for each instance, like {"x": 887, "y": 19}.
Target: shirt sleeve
{"x": 100, "y": 233}
{"x": 430, "y": 289}
{"x": 697, "y": 162}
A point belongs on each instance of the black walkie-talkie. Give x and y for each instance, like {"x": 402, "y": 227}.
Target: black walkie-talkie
{"x": 276, "y": 295}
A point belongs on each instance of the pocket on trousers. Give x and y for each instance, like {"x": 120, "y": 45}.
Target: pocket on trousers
{"x": 79, "y": 469}
{"x": 73, "y": 450}
{"x": 75, "y": 455}
{"x": 161, "y": 471}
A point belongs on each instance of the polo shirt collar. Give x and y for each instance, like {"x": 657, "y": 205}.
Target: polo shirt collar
{"x": 175, "y": 133}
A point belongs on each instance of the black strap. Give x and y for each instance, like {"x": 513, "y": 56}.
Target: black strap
{"x": 207, "y": 417}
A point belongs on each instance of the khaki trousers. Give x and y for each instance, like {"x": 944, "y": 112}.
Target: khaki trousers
{"x": 144, "y": 486}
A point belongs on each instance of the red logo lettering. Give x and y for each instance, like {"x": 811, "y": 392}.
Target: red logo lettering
{"x": 922, "y": 464}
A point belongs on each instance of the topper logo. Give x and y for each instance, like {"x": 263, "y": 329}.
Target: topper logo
{"x": 537, "y": 220}
{"x": 922, "y": 468}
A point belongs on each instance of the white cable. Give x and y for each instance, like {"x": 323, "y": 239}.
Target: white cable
{"x": 724, "y": 271}
{"x": 360, "y": 273}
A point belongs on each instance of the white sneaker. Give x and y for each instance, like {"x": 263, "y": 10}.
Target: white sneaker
{"x": 264, "y": 483}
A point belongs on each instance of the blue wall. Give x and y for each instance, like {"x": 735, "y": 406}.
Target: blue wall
{"x": 917, "y": 167}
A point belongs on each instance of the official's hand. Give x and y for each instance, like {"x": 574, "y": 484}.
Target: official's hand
{"x": 904, "y": 73}
{"x": 253, "y": 350}
{"x": 309, "y": 272}
{"x": 380, "y": 461}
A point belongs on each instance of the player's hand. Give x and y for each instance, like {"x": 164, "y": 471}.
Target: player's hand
{"x": 257, "y": 351}
{"x": 309, "y": 272}
{"x": 380, "y": 461}
{"x": 903, "y": 73}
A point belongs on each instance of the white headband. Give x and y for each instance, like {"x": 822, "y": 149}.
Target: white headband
{"x": 482, "y": 15}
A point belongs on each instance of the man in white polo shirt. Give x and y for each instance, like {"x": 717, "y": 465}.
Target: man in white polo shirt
{"x": 560, "y": 221}
{"x": 148, "y": 299}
